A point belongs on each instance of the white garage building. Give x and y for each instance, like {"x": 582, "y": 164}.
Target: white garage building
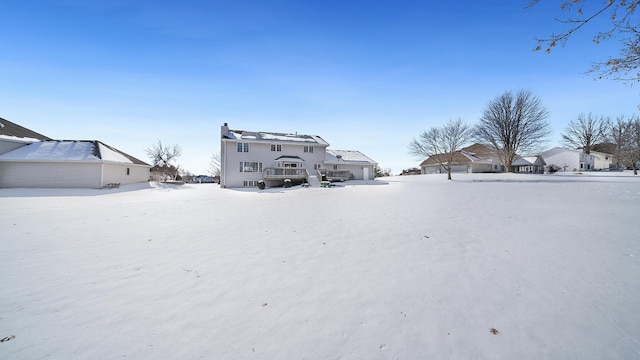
{"x": 69, "y": 164}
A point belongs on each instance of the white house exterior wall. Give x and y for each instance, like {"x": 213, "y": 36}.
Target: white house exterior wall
{"x": 50, "y": 175}
{"x": 260, "y": 151}
{"x": 356, "y": 169}
{"x": 117, "y": 173}
{"x": 602, "y": 161}
{"x": 15, "y": 174}
{"x": 568, "y": 160}
{"x": 484, "y": 168}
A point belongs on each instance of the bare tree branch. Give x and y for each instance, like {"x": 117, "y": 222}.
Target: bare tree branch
{"x": 623, "y": 25}
{"x": 585, "y": 132}
{"x": 441, "y": 143}
{"x": 214, "y": 165}
{"x": 512, "y": 124}
{"x": 164, "y": 155}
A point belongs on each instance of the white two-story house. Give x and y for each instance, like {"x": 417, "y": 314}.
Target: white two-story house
{"x": 568, "y": 160}
{"x": 247, "y": 157}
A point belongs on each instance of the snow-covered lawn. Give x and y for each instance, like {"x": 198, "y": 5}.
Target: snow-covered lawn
{"x": 488, "y": 266}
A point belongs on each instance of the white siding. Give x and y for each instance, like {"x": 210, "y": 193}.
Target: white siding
{"x": 602, "y": 161}
{"x": 261, "y": 152}
{"x": 117, "y": 173}
{"x": 568, "y": 160}
{"x": 50, "y": 174}
{"x": 69, "y": 174}
{"x": 356, "y": 169}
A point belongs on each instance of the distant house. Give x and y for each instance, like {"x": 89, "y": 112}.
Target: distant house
{"x": 412, "y": 171}
{"x": 603, "y": 161}
{"x": 568, "y": 160}
{"x": 529, "y": 164}
{"x": 476, "y": 158}
{"x": 247, "y": 157}
{"x": 69, "y": 163}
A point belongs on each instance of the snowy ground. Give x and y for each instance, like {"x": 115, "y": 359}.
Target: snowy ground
{"x": 495, "y": 266}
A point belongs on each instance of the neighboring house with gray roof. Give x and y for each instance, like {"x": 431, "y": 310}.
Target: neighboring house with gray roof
{"x": 529, "y": 164}
{"x": 247, "y": 157}
{"x": 476, "y": 158}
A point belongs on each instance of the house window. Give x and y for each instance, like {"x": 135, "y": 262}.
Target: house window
{"x": 243, "y": 147}
{"x": 128, "y": 171}
{"x": 317, "y": 166}
{"x": 308, "y": 149}
{"x": 248, "y": 166}
{"x": 335, "y": 167}
{"x": 250, "y": 183}
{"x": 276, "y": 147}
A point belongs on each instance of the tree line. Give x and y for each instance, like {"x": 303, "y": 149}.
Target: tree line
{"x": 516, "y": 123}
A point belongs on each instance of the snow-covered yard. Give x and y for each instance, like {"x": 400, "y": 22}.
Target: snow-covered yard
{"x": 488, "y": 266}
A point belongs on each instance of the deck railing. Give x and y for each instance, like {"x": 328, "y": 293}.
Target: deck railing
{"x": 271, "y": 173}
{"x": 337, "y": 175}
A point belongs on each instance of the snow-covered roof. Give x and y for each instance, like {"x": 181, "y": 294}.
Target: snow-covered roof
{"x": 559, "y": 150}
{"x": 529, "y": 160}
{"x": 347, "y": 156}
{"x": 22, "y": 140}
{"x": 16, "y": 133}
{"x": 69, "y": 150}
{"x": 273, "y": 137}
{"x": 475, "y": 159}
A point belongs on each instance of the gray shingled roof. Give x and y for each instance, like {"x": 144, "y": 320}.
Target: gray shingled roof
{"x": 7, "y": 128}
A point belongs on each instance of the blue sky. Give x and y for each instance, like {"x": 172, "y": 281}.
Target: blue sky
{"x": 364, "y": 75}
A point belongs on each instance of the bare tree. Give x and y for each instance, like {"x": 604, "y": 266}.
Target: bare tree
{"x": 442, "y": 143}
{"x": 214, "y": 165}
{"x": 585, "y": 132}
{"x": 164, "y": 155}
{"x": 513, "y": 124}
{"x": 622, "y": 24}
{"x": 625, "y": 134}
{"x": 634, "y": 144}
{"x": 618, "y": 135}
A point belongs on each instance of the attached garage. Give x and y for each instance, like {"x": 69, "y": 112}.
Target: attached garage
{"x": 349, "y": 165}
{"x": 69, "y": 164}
